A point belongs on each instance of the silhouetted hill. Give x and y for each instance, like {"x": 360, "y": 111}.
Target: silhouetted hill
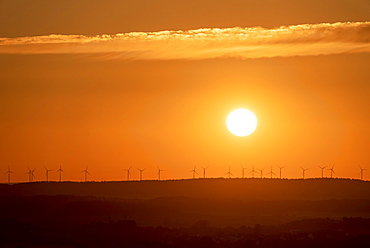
{"x": 217, "y": 188}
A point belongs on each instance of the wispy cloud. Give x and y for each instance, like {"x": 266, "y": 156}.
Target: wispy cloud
{"x": 256, "y": 42}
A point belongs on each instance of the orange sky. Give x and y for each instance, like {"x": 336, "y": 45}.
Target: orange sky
{"x": 110, "y": 112}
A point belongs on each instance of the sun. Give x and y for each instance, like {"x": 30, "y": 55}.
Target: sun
{"x": 241, "y": 122}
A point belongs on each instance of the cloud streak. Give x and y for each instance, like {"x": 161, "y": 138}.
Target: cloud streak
{"x": 205, "y": 43}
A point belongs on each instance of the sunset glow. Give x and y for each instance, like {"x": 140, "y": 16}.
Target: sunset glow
{"x": 141, "y": 123}
{"x": 120, "y": 84}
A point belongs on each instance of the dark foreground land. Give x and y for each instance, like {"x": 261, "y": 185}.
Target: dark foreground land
{"x": 187, "y": 213}
{"x": 347, "y": 232}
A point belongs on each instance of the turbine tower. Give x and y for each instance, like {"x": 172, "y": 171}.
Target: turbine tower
{"x": 60, "y": 173}
{"x": 194, "y": 171}
{"x": 253, "y": 171}
{"x": 271, "y": 173}
{"x": 362, "y": 172}
{"x": 229, "y": 173}
{"x": 331, "y": 171}
{"x": 243, "y": 168}
{"x": 322, "y": 171}
{"x": 261, "y": 171}
{"x": 204, "y": 171}
{"x": 280, "y": 168}
{"x": 29, "y": 174}
{"x": 303, "y": 171}
{"x": 9, "y": 172}
{"x": 47, "y": 174}
{"x": 159, "y": 174}
{"x": 128, "y": 173}
{"x": 86, "y": 172}
{"x": 141, "y": 173}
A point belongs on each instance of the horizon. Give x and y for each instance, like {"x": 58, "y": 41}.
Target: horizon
{"x": 137, "y": 179}
{"x": 186, "y": 179}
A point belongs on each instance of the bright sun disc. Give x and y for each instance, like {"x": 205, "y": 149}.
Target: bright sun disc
{"x": 241, "y": 122}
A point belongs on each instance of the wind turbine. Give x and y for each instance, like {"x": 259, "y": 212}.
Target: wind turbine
{"x": 31, "y": 174}
{"x": 141, "y": 173}
{"x": 362, "y": 172}
{"x": 271, "y": 173}
{"x": 86, "y": 172}
{"x": 229, "y": 173}
{"x": 261, "y": 171}
{"x": 60, "y": 173}
{"x": 159, "y": 173}
{"x": 47, "y": 174}
{"x": 243, "y": 168}
{"x": 9, "y": 172}
{"x": 253, "y": 171}
{"x": 128, "y": 173}
{"x": 304, "y": 170}
{"x": 194, "y": 171}
{"x": 331, "y": 171}
{"x": 280, "y": 168}
{"x": 204, "y": 171}
{"x": 322, "y": 171}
